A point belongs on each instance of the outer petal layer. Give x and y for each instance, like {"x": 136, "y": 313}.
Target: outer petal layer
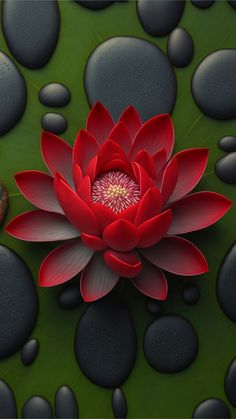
{"x": 85, "y": 148}
{"x": 151, "y": 282}
{"x": 125, "y": 264}
{"x": 99, "y": 122}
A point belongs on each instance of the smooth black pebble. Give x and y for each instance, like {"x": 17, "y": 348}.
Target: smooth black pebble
{"x": 66, "y": 406}
{"x": 37, "y": 407}
{"x": 69, "y": 297}
{"x": 214, "y": 84}
{"x": 54, "y": 94}
{"x": 119, "y": 404}
{"x": 127, "y": 70}
{"x": 154, "y": 307}
{"x": 225, "y": 168}
{"x": 159, "y": 17}
{"x": 31, "y": 29}
{"x": 7, "y": 402}
{"x": 18, "y": 302}
{"x": 203, "y": 4}
{"x": 226, "y": 284}
{"x": 190, "y": 294}
{"x": 95, "y": 4}
{"x": 212, "y": 409}
{"x": 230, "y": 383}
{"x": 3, "y": 202}
{"x": 170, "y": 344}
{"x": 105, "y": 342}
{"x": 227, "y": 143}
{"x": 13, "y": 94}
{"x": 180, "y": 47}
{"x": 29, "y": 351}
{"x": 54, "y": 122}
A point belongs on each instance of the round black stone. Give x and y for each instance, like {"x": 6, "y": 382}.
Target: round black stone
{"x": 105, "y": 342}
{"x": 190, "y": 294}
{"x": 127, "y": 70}
{"x": 159, "y": 17}
{"x": 203, "y": 4}
{"x": 225, "y": 168}
{"x": 180, "y": 47}
{"x": 29, "y": 352}
{"x": 66, "y": 406}
{"x": 170, "y": 344}
{"x": 119, "y": 404}
{"x": 154, "y": 307}
{"x": 18, "y": 302}
{"x": 95, "y": 4}
{"x": 69, "y": 297}
{"x": 13, "y": 94}
{"x": 211, "y": 409}
{"x": 31, "y": 30}
{"x": 214, "y": 84}
{"x": 7, "y": 402}
{"x": 54, "y": 122}
{"x": 3, "y": 202}
{"x": 37, "y": 407}
{"x": 226, "y": 284}
{"x": 54, "y": 94}
{"x": 230, "y": 383}
{"x": 227, "y": 143}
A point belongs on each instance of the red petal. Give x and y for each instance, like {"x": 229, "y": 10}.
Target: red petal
{"x": 84, "y": 190}
{"x": 92, "y": 168}
{"x": 76, "y": 210}
{"x": 197, "y": 211}
{"x": 153, "y": 230}
{"x": 77, "y": 175}
{"x": 85, "y": 148}
{"x": 120, "y": 135}
{"x": 117, "y": 164}
{"x": 38, "y": 188}
{"x": 151, "y": 282}
{"x": 108, "y": 151}
{"x": 178, "y": 256}
{"x": 125, "y": 264}
{"x": 144, "y": 181}
{"x": 97, "y": 279}
{"x": 169, "y": 179}
{"x": 99, "y": 122}
{"x": 129, "y": 213}
{"x": 121, "y": 235}
{"x": 63, "y": 263}
{"x": 149, "y": 205}
{"x": 146, "y": 160}
{"x": 132, "y": 120}
{"x": 57, "y": 155}
{"x": 41, "y": 226}
{"x": 155, "y": 134}
{"x": 191, "y": 166}
{"x": 94, "y": 242}
{"x": 159, "y": 159}
{"x": 104, "y": 214}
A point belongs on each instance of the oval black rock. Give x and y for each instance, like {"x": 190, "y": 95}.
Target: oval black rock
{"x": 154, "y": 307}
{"x": 180, "y": 47}
{"x": 212, "y": 409}
{"x": 18, "y": 302}
{"x": 7, "y": 402}
{"x": 230, "y": 383}
{"x": 159, "y": 17}
{"x": 105, "y": 342}
{"x": 227, "y": 143}
{"x": 225, "y": 168}
{"x": 226, "y": 284}
{"x": 29, "y": 351}
{"x": 66, "y": 406}
{"x": 13, "y": 94}
{"x": 95, "y": 4}
{"x": 127, "y": 70}
{"x": 170, "y": 344}
{"x": 37, "y": 407}
{"x": 203, "y": 4}
{"x": 119, "y": 404}
{"x": 190, "y": 294}
{"x": 214, "y": 84}
{"x": 54, "y": 94}
{"x": 54, "y": 122}
{"x": 69, "y": 297}
{"x": 31, "y": 29}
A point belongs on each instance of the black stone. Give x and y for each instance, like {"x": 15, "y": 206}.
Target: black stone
{"x": 170, "y": 344}
{"x": 95, "y": 4}
{"x": 203, "y": 4}
{"x": 119, "y": 404}
{"x": 227, "y": 143}
{"x": 214, "y": 84}
{"x": 105, "y": 342}
{"x": 37, "y": 407}
{"x": 127, "y": 70}
{"x": 159, "y": 17}
{"x": 211, "y": 409}
{"x": 226, "y": 284}
{"x": 31, "y": 29}
{"x": 232, "y": 3}
{"x": 3, "y": 202}
{"x": 29, "y": 352}
{"x": 180, "y": 47}
{"x": 154, "y": 307}
{"x": 18, "y": 302}
{"x": 69, "y": 297}
{"x": 54, "y": 94}
{"x": 54, "y": 122}
{"x": 225, "y": 168}
{"x": 190, "y": 294}
{"x": 13, "y": 94}
{"x": 66, "y": 406}
{"x": 7, "y": 402}
{"x": 230, "y": 383}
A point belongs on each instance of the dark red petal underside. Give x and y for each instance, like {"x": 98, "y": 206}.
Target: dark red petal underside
{"x": 151, "y": 281}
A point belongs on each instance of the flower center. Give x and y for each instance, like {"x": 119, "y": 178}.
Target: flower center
{"x": 116, "y": 190}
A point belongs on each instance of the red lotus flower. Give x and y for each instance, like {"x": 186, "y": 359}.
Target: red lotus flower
{"x": 120, "y": 202}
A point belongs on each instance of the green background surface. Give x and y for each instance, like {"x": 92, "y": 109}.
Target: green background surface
{"x": 149, "y": 393}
